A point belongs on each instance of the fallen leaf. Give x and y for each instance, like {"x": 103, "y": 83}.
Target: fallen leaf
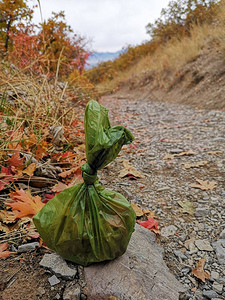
{"x": 6, "y": 177}
{"x": 215, "y": 152}
{"x": 24, "y": 203}
{"x": 196, "y": 164}
{"x": 138, "y": 211}
{"x": 3, "y": 252}
{"x": 129, "y": 170}
{"x": 150, "y": 224}
{"x": 7, "y": 216}
{"x": 199, "y": 270}
{"x": 59, "y": 187}
{"x": 30, "y": 169}
{"x": 15, "y": 161}
{"x": 69, "y": 172}
{"x": 171, "y": 156}
{"x": 187, "y": 207}
{"x": 204, "y": 185}
{"x": 4, "y": 228}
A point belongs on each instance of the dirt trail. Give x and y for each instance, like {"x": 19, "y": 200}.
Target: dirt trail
{"x": 175, "y": 145}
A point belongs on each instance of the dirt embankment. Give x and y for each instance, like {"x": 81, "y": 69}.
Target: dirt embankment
{"x": 200, "y": 83}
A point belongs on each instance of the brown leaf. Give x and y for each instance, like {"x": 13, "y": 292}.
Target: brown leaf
{"x": 204, "y": 185}
{"x": 4, "y": 228}
{"x": 129, "y": 170}
{"x": 59, "y": 187}
{"x": 171, "y": 156}
{"x": 3, "y": 252}
{"x": 7, "y": 216}
{"x": 30, "y": 169}
{"x": 26, "y": 204}
{"x": 215, "y": 152}
{"x": 199, "y": 270}
{"x": 196, "y": 164}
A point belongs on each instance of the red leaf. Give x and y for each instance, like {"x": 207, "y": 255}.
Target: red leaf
{"x": 48, "y": 197}
{"x": 6, "y": 177}
{"x": 15, "y": 161}
{"x": 150, "y": 224}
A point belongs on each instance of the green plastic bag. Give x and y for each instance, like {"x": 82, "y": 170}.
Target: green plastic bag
{"x": 88, "y": 223}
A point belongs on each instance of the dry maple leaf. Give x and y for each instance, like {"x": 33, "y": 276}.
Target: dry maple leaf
{"x": 129, "y": 170}
{"x": 26, "y": 204}
{"x": 15, "y": 161}
{"x": 3, "y": 252}
{"x": 59, "y": 187}
{"x": 204, "y": 185}
{"x": 196, "y": 164}
{"x": 30, "y": 169}
{"x": 199, "y": 270}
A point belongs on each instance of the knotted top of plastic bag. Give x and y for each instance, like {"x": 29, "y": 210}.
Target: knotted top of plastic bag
{"x": 102, "y": 142}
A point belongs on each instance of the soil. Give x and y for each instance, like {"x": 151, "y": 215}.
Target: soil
{"x": 160, "y": 128}
{"x": 201, "y": 82}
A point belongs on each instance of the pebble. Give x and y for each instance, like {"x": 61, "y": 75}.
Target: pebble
{"x": 201, "y": 212}
{"x": 180, "y": 254}
{"x": 222, "y": 235}
{"x": 215, "y": 275}
{"x": 218, "y": 287}
{"x": 176, "y": 151}
{"x": 53, "y": 280}
{"x": 28, "y": 247}
{"x": 168, "y": 230}
{"x": 203, "y": 245}
{"x": 220, "y": 251}
{"x": 209, "y": 294}
{"x": 58, "y": 266}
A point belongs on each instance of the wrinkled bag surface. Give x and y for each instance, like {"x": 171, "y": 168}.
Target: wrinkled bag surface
{"x": 87, "y": 223}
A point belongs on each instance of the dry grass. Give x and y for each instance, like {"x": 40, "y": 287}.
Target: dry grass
{"x": 32, "y": 103}
{"x": 175, "y": 54}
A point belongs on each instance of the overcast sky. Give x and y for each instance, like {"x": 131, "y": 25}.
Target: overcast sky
{"x": 109, "y": 24}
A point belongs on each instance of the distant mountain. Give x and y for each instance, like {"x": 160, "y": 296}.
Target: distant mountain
{"x": 98, "y": 57}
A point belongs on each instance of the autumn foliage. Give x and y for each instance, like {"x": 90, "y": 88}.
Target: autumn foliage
{"x": 176, "y": 22}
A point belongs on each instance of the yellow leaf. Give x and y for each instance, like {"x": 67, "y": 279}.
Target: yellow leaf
{"x": 30, "y": 169}
{"x": 24, "y": 203}
{"x": 138, "y": 211}
{"x": 7, "y": 216}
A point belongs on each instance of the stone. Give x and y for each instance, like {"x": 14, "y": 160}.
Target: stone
{"x": 72, "y": 292}
{"x": 58, "y": 266}
{"x": 180, "y": 254}
{"x": 218, "y": 287}
{"x": 28, "y": 247}
{"x": 220, "y": 251}
{"x": 176, "y": 151}
{"x": 140, "y": 273}
{"x": 209, "y": 294}
{"x": 53, "y": 280}
{"x": 40, "y": 291}
{"x": 214, "y": 275}
{"x": 57, "y": 296}
{"x": 168, "y": 230}
{"x": 222, "y": 235}
{"x": 201, "y": 212}
{"x": 203, "y": 245}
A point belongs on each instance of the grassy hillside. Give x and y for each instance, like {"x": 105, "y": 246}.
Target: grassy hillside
{"x": 177, "y": 60}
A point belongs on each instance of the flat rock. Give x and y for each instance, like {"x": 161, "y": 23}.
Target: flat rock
{"x": 168, "y": 230}
{"x": 58, "y": 266}
{"x": 72, "y": 292}
{"x": 220, "y": 251}
{"x": 203, "y": 245}
{"x": 53, "y": 280}
{"x": 28, "y": 247}
{"x": 140, "y": 273}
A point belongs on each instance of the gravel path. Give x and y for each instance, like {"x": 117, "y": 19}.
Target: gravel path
{"x": 175, "y": 145}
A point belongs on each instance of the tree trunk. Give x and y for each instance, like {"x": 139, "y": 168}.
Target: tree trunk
{"x": 7, "y": 34}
